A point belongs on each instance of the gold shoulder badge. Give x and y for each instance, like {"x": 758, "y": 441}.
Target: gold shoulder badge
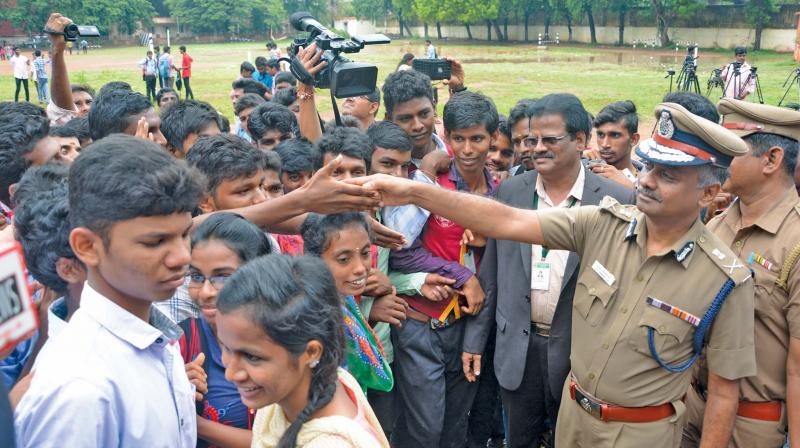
{"x": 723, "y": 258}
{"x": 624, "y": 212}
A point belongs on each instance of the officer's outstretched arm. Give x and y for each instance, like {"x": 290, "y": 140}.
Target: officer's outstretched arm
{"x": 477, "y": 213}
{"x": 723, "y": 400}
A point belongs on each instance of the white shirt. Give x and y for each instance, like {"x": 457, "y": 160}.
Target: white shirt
{"x": 109, "y": 380}
{"x": 543, "y": 303}
{"x": 20, "y": 65}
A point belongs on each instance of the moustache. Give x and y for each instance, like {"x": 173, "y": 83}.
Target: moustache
{"x": 543, "y": 155}
{"x": 648, "y": 193}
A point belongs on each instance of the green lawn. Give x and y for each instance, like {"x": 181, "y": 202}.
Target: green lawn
{"x": 506, "y": 73}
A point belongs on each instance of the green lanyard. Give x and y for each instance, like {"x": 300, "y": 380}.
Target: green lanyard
{"x": 545, "y": 250}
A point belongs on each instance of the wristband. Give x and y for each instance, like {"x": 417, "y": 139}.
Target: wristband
{"x": 460, "y": 89}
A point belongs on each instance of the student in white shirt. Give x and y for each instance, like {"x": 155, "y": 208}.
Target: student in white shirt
{"x": 21, "y": 66}
{"x": 114, "y": 376}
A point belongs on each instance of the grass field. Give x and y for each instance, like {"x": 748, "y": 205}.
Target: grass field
{"x": 506, "y": 72}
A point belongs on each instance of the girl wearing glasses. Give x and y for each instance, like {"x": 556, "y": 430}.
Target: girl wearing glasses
{"x": 220, "y": 245}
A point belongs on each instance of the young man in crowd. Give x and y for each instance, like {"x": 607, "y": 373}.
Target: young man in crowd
{"x": 20, "y": 65}
{"x": 271, "y": 123}
{"x": 740, "y": 82}
{"x": 130, "y": 209}
{"x": 762, "y": 227}
{"x": 284, "y": 80}
{"x": 183, "y": 123}
{"x": 166, "y": 68}
{"x": 501, "y": 155}
{"x": 242, "y": 108}
{"x": 80, "y": 127}
{"x": 40, "y": 67}
{"x": 69, "y": 143}
{"x": 531, "y": 357}
{"x": 352, "y": 144}
{"x": 297, "y": 163}
{"x": 631, "y": 359}
{"x": 434, "y": 387}
{"x": 124, "y": 111}
{"x": 617, "y": 127}
{"x": 519, "y": 123}
{"x": 364, "y": 108}
{"x": 288, "y": 98}
{"x": 82, "y": 97}
{"x": 261, "y": 74}
{"x": 243, "y": 86}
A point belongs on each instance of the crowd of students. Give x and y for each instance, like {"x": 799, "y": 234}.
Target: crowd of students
{"x": 202, "y": 283}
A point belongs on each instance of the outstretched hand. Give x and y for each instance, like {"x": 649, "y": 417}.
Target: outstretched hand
{"x": 388, "y": 190}
{"x": 326, "y": 195}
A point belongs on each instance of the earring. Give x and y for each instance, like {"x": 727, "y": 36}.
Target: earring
{"x": 313, "y": 364}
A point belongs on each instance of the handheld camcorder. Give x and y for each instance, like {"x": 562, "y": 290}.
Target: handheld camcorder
{"x": 344, "y": 77}
{"x": 72, "y": 32}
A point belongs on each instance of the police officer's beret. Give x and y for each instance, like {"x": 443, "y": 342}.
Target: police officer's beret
{"x": 684, "y": 139}
{"x": 744, "y": 118}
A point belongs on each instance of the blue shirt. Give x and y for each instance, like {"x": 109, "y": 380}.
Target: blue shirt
{"x": 265, "y": 79}
{"x": 39, "y": 65}
{"x": 222, "y": 403}
{"x": 109, "y": 379}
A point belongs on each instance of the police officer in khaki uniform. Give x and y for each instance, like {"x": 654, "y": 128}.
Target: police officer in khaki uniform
{"x": 651, "y": 283}
{"x": 763, "y": 229}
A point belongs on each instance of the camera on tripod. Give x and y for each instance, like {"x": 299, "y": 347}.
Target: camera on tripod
{"x": 344, "y": 77}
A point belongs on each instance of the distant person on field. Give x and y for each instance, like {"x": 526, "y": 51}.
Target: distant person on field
{"x": 740, "y": 81}
{"x": 149, "y": 73}
{"x": 186, "y": 71}
{"x": 40, "y": 72}
{"x": 430, "y": 50}
{"x": 20, "y": 64}
{"x": 85, "y": 46}
{"x": 166, "y": 67}
{"x": 405, "y": 63}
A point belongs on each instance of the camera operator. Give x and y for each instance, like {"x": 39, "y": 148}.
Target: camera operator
{"x": 739, "y": 79}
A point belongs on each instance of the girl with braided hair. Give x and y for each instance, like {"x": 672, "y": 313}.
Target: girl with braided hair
{"x": 279, "y": 322}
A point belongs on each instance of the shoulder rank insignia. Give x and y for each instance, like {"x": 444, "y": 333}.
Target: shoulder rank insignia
{"x": 611, "y": 205}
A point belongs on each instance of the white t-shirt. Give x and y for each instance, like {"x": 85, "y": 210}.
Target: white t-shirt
{"x": 20, "y": 64}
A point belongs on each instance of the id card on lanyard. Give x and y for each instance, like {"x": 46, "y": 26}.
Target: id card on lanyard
{"x": 540, "y": 271}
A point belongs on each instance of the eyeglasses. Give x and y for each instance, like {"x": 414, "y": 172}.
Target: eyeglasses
{"x": 532, "y": 142}
{"x": 197, "y": 280}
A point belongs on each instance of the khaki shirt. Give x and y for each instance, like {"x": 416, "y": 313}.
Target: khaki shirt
{"x": 610, "y": 355}
{"x": 777, "y": 312}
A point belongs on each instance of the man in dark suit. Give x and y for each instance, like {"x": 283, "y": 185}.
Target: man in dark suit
{"x": 528, "y": 288}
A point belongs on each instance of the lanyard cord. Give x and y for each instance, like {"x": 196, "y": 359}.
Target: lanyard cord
{"x": 545, "y": 250}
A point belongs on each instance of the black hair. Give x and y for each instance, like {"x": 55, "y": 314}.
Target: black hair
{"x": 187, "y": 117}
{"x": 249, "y": 85}
{"x": 622, "y": 112}
{"x": 375, "y": 97}
{"x": 37, "y": 53}
{"x": 387, "y": 135}
{"x": 163, "y": 91}
{"x": 317, "y": 230}
{"x": 261, "y": 61}
{"x": 182, "y": 48}
{"x": 273, "y": 63}
{"x": 740, "y": 50}
{"x": 569, "y": 107}
{"x": 467, "y": 109}
{"x": 63, "y": 131}
{"x": 294, "y": 301}
{"x": 225, "y": 157}
{"x": 694, "y": 103}
{"x": 12, "y": 167}
{"x": 80, "y": 126}
{"x": 763, "y": 141}
{"x": 520, "y": 111}
{"x": 285, "y": 77}
{"x": 112, "y": 111}
{"x": 123, "y": 177}
{"x": 224, "y": 124}
{"x": 348, "y": 121}
{"x": 504, "y": 126}
{"x": 114, "y": 85}
{"x": 347, "y": 141}
{"x": 246, "y": 67}
{"x": 41, "y": 223}
{"x": 272, "y": 162}
{"x": 239, "y": 235}
{"x": 166, "y": 49}
{"x": 404, "y": 86}
{"x": 21, "y": 108}
{"x": 408, "y": 57}
{"x": 82, "y": 88}
{"x": 296, "y": 155}
{"x": 285, "y": 97}
{"x": 271, "y": 116}
{"x": 21, "y": 127}
{"x": 247, "y": 101}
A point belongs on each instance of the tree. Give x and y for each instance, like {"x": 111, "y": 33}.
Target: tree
{"x": 668, "y": 10}
{"x": 621, "y": 7}
{"x": 759, "y": 13}
{"x": 578, "y": 7}
{"x": 371, "y": 9}
{"x": 31, "y": 15}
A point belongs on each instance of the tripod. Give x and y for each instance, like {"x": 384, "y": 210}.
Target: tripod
{"x": 715, "y": 80}
{"x": 687, "y": 78}
{"x": 751, "y": 76}
{"x": 795, "y": 81}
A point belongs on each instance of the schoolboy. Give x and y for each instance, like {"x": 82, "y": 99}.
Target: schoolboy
{"x": 270, "y": 124}
{"x": 297, "y": 166}
{"x": 186, "y": 121}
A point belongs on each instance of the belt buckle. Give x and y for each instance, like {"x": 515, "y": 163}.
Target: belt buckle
{"x": 594, "y": 409}
{"x": 437, "y": 324}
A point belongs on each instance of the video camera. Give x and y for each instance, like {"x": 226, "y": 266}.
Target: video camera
{"x": 72, "y": 32}
{"x": 344, "y": 77}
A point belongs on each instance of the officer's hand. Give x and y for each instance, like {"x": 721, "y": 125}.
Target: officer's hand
{"x": 611, "y": 172}
{"x": 390, "y": 309}
{"x": 197, "y": 376}
{"x": 472, "y": 366}
{"x": 325, "y": 195}
{"x": 378, "y": 284}
{"x": 473, "y": 292}
{"x": 437, "y": 288}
